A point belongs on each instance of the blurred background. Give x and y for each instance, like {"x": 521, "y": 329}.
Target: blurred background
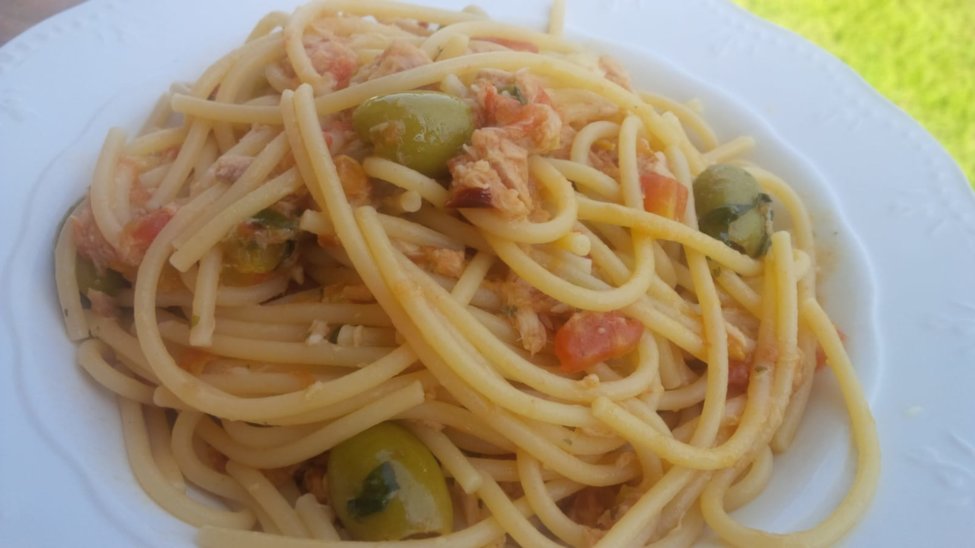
{"x": 920, "y": 54}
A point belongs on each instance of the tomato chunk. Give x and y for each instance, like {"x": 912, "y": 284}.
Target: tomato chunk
{"x": 663, "y": 196}
{"x": 140, "y": 232}
{"x": 738, "y": 374}
{"x": 592, "y": 337}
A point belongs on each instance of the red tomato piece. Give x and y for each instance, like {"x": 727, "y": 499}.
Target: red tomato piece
{"x": 738, "y": 375}
{"x": 138, "y": 233}
{"x": 592, "y": 337}
{"x": 663, "y": 196}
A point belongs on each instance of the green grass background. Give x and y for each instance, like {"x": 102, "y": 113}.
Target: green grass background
{"x": 919, "y": 53}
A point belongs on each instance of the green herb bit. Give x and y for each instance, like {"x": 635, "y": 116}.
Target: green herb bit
{"x": 514, "y": 91}
{"x": 377, "y": 490}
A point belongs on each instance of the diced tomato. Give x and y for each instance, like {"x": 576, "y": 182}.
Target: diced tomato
{"x": 138, "y": 233}
{"x": 354, "y": 180}
{"x": 663, "y": 196}
{"x": 332, "y": 56}
{"x": 738, "y": 374}
{"x": 89, "y": 239}
{"x": 145, "y": 229}
{"x": 591, "y": 337}
{"x": 517, "y": 45}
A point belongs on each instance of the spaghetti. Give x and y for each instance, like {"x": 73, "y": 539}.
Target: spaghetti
{"x": 393, "y": 273}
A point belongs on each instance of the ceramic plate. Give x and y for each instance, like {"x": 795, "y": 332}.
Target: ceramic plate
{"x": 892, "y": 211}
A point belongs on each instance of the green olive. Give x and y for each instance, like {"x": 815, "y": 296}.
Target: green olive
{"x": 108, "y": 282}
{"x": 722, "y": 185}
{"x": 749, "y": 233}
{"x": 419, "y": 129}
{"x": 253, "y": 258}
{"x": 731, "y": 207}
{"x": 384, "y": 484}
{"x": 261, "y": 243}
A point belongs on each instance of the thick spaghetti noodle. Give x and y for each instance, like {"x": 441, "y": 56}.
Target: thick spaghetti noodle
{"x": 388, "y": 273}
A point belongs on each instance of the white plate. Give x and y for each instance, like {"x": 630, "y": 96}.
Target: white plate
{"x": 888, "y": 201}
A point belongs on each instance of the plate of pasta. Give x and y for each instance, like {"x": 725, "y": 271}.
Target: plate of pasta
{"x": 369, "y": 273}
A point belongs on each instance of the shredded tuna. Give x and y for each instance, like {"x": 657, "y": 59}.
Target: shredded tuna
{"x": 280, "y": 476}
{"x": 649, "y": 160}
{"x": 508, "y": 159}
{"x": 134, "y": 240}
{"x": 139, "y": 233}
{"x": 518, "y": 105}
{"x": 603, "y": 156}
{"x": 566, "y": 137}
{"x": 139, "y": 196}
{"x": 492, "y": 172}
{"x": 590, "y": 504}
{"x": 102, "y": 304}
{"x": 399, "y": 56}
{"x": 529, "y": 325}
{"x": 317, "y": 332}
{"x": 447, "y": 262}
{"x": 439, "y": 260}
{"x": 530, "y": 311}
{"x": 578, "y": 107}
{"x": 89, "y": 240}
{"x": 515, "y": 119}
{"x": 229, "y": 167}
{"x": 599, "y": 508}
{"x": 536, "y": 127}
{"x": 331, "y": 57}
{"x": 340, "y": 135}
{"x": 354, "y": 180}
{"x": 310, "y": 477}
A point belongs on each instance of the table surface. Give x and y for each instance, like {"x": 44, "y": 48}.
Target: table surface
{"x": 16, "y": 16}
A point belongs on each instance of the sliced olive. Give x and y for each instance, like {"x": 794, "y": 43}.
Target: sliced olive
{"x": 108, "y": 282}
{"x": 384, "y": 484}
{"x": 273, "y": 219}
{"x": 723, "y": 185}
{"x": 749, "y": 233}
{"x": 250, "y": 257}
{"x": 419, "y": 129}
{"x": 731, "y": 207}
{"x": 261, "y": 243}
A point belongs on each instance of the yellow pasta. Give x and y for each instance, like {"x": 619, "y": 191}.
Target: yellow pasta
{"x": 407, "y": 275}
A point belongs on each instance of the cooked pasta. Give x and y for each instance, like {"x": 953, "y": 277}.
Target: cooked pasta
{"x": 394, "y": 273}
